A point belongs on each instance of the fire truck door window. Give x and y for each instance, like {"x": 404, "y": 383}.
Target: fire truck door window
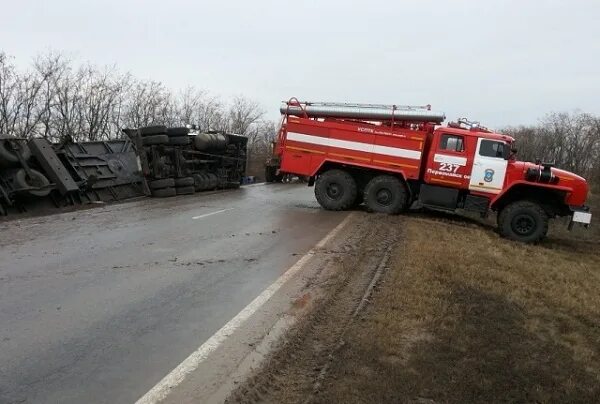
{"x": 452, "y": 143}
{"x": 489, "y": 148}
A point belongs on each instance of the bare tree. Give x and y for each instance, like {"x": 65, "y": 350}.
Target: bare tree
{"x": 243, "y": 113}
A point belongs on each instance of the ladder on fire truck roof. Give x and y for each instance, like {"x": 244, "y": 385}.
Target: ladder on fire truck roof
{"x": 372, "y": 112}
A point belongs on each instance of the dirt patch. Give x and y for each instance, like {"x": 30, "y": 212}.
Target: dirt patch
{"x": 461, "y": 315}
{"x": 296, "y": 368}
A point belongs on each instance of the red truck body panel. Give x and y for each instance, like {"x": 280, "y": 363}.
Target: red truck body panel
{"x": 307, "y": 144}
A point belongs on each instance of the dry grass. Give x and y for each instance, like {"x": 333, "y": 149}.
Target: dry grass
{"x": 466, "y": 316}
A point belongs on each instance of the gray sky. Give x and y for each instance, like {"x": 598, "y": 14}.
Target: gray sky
{"x": 501, "y": 62}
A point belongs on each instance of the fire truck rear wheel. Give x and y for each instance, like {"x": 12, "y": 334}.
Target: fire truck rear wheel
{"x": 335, "y": 190}
{"x": 386, "y": 194}
{"x": 523, "y": 221}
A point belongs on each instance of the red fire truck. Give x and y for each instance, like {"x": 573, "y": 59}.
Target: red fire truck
{"x": 390, "y": 157}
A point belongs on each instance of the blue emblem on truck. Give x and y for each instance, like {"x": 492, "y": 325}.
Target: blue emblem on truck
{"x": 489, "y": 175}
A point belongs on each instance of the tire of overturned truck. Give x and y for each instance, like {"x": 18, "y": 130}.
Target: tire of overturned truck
{"x": 523, "y": 221}
{"x": 164, "y": 192}
{"x": 162, "y": 183}
{"x": 153, "y": 130}
{"x": 184, "y": 182}
{"x": 8, "y": 157}
{"x": 176, "y": 132}
{"x": 155, "y": 140}
{"x": 386, "y": 194}
{"x": 179, "y": 140}
{"x": 335, "y": 190}
{"x": 185, "y": 190}
{"x": 199, "y": 182}
{"x": 35, "y": 180}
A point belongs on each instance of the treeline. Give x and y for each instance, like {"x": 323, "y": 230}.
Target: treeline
{"x": 57, "y": 99}
{"x": 570, "y": 140}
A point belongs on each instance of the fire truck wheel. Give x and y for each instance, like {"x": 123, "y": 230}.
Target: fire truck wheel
{"x": 184, "y": 182}
{"x": 386, "y": 194}
{"x": 36, "y": 180}
{"x": 164, "y": 192}
{"x": 162, "y": 183}
{"x": 179, "y": 140}
{"x": 335, "y": 190}
{"x": 523, "y": 221}
{"x": 153, "y": 130}
{"x": 185, "y": 190}
{"x": 155, "y": 139}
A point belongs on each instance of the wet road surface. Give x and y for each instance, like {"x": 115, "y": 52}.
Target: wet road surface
{"x": 97, "y": 306}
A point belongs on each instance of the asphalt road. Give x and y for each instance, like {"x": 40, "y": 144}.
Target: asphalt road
{"x": 97, "y": 306}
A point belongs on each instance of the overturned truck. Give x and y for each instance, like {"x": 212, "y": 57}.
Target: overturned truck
{"x": 180, "y": 161}
{"x": 37, "y": 175}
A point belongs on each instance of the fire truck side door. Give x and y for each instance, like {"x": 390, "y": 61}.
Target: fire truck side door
{"x": 489, "y": 166}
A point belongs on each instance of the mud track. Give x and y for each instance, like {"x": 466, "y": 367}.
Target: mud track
{"x": 297, "y": 369}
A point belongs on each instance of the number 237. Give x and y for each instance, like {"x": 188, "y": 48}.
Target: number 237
{"x": 451, "y": 168}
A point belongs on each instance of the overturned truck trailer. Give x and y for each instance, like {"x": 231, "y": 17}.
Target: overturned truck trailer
{"x": 179, "y": 161}
{"x": 39, "y": 176}
{"x": 36, "y": 175}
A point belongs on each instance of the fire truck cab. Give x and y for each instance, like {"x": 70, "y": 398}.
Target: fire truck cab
{"x": 392, "y": 157}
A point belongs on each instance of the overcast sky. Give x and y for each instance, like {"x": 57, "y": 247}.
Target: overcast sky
{"x": 500, "y": 62}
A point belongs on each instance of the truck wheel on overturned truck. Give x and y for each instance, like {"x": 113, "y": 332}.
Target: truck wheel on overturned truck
{"x": 386, "y": 194}
{"x": 336, "y": 190}
{"x": 523, "y": 221}
{"x": 8, "y": 156}
{"x": 185, "y": 190}
{"x": 164, "y": 192}
{"x": 35, "y": 180}
{"x": 162, "y": 183}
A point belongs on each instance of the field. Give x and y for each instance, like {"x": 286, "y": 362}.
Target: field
{"x": 459, "y": 315}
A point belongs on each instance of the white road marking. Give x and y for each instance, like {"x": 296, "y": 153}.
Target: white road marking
{"x": 211, "y": 213}
{"x": 191, "y": 363}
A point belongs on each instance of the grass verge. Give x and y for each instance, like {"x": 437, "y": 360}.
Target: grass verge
{"x": 466, "y": 316}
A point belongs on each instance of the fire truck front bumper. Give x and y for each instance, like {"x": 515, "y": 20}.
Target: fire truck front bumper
{"x": 580, "y": 215}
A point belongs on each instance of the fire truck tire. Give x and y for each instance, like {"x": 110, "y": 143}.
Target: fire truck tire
{"x": 185, "y": 190}
{"x": 523, "y": 221}
{"x": 335, "y": 190}
{"x": 153, "y": 130}
{"x": 164, "y": 192}
{"x": 162, "y": 183}
{"x": 177, "y": 132}
{"x": 184, "y": 182}
{"x": 179, "y": 140}
{"x": 8, "y": 157}
{"x": 36, "y": 180}
{"x": 386, "y": 194}
{"x": 155, "y": 140}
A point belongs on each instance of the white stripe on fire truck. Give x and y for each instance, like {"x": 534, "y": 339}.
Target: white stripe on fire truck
{"x": 358, "y": 146}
